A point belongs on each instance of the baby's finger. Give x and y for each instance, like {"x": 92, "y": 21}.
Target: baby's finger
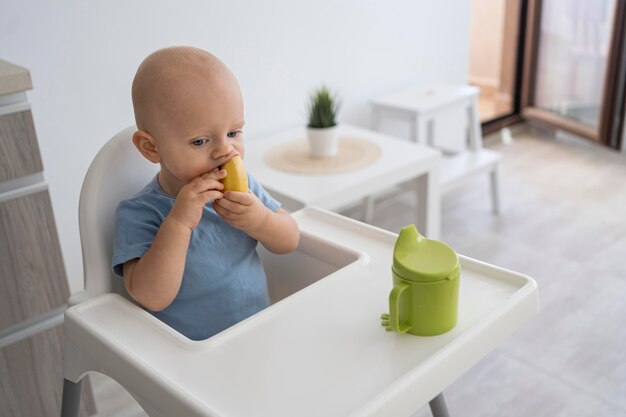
{"x": 216, "y": 174}
{"x": 232, "y": 206}
{"x": 211, "y": 195}
{"x": 203, "y": 183}
{"x": 221, "y": 211}
{"x": 239, "y": 197}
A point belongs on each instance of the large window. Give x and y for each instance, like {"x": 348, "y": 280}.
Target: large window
{"x": 574, "y": 67}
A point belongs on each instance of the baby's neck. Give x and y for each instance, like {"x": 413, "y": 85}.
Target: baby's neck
{"x": 167, "y": 186}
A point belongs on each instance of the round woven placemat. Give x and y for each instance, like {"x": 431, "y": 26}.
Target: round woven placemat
{"x": 352, "y": 154}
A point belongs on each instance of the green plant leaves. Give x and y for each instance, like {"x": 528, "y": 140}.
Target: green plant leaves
{"x": 323, "y": 108}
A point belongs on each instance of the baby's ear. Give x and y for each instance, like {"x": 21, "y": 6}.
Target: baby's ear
{"x": 146, "y": 145}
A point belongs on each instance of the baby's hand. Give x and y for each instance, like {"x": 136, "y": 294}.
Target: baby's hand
{"x": 243, "y": 211}
{"x": 192, "y": 198}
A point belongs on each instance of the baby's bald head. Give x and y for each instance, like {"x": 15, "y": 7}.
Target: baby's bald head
{"x": 169, "y": 81}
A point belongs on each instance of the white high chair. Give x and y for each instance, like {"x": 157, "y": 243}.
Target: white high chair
{"x": 319, "y": 351}
{"x": 117, "y": 172}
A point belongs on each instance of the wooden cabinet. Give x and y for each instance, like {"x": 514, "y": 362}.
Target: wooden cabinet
{"x": 19, "y": 157}
{"x": 31, "y": 382}
{"x": 33, "y": 284}
{"x": 33, "y": 277}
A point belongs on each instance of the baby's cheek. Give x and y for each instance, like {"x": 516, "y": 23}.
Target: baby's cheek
{"x": 240, "y": 149}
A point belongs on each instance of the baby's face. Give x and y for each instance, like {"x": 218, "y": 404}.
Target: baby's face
{"x": 200, "y": 129}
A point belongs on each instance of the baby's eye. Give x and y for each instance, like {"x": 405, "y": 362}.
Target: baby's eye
{"x": 199, "y": 141}
{"x": 234, "y": 133}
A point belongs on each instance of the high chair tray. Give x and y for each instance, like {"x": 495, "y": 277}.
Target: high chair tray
{"x": 318, "y": 352}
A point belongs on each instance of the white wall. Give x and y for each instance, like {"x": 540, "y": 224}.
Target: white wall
{"x": 83, "y": 55}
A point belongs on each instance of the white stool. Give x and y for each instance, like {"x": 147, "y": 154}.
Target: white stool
{"x": 445, "y": 117}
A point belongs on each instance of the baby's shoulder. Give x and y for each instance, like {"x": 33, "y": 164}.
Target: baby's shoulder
{"x": 146, "y": 202}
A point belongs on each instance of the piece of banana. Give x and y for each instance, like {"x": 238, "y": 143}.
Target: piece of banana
{"x": 236, "y": 178}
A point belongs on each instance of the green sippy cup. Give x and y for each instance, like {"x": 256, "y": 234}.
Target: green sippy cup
{"x": 425, "y": 295}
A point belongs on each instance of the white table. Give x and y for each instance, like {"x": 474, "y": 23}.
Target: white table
{"x": 400, "y": 161}
{"x": 318, "y": 352}
{"x": 439, "y": 114}
{"x": 445, "y": 117}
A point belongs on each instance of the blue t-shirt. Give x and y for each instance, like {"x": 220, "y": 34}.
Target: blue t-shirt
{"x": 223, "y": 282}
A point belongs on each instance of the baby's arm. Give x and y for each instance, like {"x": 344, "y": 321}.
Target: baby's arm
{"x": 154, "y": 279}
{"x": 277, "y": 231}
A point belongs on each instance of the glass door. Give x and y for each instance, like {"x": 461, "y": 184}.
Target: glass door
{"x": 495, "y": 52}
{"x": 573, "y": 66}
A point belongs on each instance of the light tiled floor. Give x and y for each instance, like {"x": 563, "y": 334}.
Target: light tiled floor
{"x": 563, "y": 222}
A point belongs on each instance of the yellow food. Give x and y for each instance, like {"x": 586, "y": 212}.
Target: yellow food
{"x": 236, "y": 178}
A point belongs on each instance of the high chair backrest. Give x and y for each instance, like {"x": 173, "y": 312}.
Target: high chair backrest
{"x": 117, "y": 172}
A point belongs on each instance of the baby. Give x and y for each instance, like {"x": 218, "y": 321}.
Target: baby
{"x": 185, "y": 247}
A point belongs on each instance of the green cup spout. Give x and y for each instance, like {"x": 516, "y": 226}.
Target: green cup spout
{"x": 409, "y": 240}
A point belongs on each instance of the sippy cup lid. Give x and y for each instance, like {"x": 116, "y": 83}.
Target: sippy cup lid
{"x": 417, "y": 258}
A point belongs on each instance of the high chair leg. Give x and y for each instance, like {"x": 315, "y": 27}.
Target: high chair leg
{"x": 438, "y": 406}
{"x": 495, "y": 190}
{"x": 70, "y": 403}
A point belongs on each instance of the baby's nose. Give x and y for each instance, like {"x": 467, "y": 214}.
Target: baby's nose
{"x": 222, "y": 148}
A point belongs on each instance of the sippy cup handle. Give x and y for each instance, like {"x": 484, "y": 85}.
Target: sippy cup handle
{"x": 394, "y": 308}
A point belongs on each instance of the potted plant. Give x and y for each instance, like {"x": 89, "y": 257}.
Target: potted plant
{"x": 322, "y": 127}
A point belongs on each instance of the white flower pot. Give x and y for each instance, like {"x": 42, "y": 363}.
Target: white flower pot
{"x": 323, "y": 141}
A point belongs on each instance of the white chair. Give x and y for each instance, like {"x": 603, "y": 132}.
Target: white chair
{"x": 445, "y": 117}
{"x": 117, "y": 172}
